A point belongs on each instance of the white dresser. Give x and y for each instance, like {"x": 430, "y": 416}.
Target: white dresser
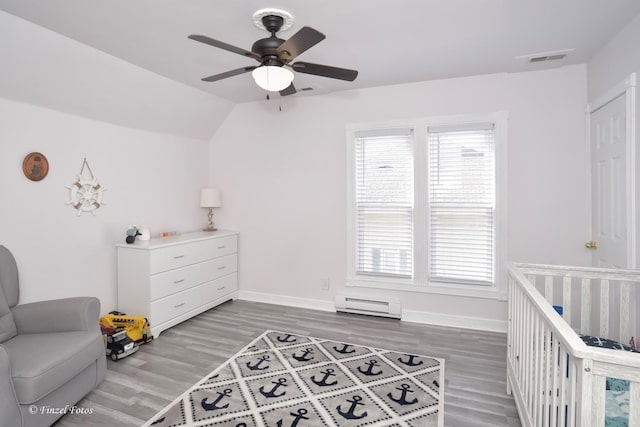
{"x": 172, "y": 279}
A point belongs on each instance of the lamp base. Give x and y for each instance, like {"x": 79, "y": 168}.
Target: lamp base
{"x": 210, "y": 228}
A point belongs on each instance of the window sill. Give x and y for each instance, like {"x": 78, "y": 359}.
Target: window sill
{"x": 452, "y": 289}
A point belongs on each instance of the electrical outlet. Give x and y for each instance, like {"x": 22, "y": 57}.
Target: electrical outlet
{"x": 324, "y": 284}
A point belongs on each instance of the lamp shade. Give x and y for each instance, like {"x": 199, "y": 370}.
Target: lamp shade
{"x": 272, "y": 78}
{"x": 210, "y": 198}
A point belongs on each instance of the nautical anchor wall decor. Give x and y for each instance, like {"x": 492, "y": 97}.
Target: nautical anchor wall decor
{"x": 85, "y": 195}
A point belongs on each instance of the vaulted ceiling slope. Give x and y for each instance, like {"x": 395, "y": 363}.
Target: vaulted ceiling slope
{"x": 388, "y": 42}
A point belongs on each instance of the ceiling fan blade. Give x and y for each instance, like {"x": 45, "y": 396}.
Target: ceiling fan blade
{"x": 325, "y": 71}
{"x": 225, "y": 46}
{"x": 304, "y": 39}
{"x": 226, "y": 74}
{"x": 288, "y": 91}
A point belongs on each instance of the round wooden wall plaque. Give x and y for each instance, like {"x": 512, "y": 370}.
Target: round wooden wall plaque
{"x": 35, "y": 166}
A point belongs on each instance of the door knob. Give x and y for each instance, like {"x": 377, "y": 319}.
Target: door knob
{"x": 592, "y": 244}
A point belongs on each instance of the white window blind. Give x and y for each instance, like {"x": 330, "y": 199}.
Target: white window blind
{"x": 461, "y": 204}
{"x": 384, "y": 203}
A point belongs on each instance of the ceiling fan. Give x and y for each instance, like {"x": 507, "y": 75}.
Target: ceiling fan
{"x": 275, "y": 54}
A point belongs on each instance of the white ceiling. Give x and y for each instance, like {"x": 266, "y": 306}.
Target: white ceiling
{"x": 389, "y": 42}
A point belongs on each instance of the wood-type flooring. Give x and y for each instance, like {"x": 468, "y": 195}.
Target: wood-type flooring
{"x": 137, "y": 387}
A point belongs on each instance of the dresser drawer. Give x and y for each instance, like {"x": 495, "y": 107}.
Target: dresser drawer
{"x": 170, "y": 282}
{"x": 181, "y": 255}
{"x": 219, "y": 288}
{"x": 174, "y": 305}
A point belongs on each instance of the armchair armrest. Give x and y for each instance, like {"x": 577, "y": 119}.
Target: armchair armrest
{"x": 9, "y": 407}
{"x": 61, "y": 315}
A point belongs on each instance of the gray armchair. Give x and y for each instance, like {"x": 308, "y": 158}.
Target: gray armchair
{"x": 51, "y": 352}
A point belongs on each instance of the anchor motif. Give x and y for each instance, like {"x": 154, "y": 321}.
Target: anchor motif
{"x": 323, "y": 382}
{"x": 435, "y": 383}
{"x": 272, "y": 393}
{"x": 241, "y": 425}
{"x": 214, "y": 406}
{"x": 257, "y": 367}
{"x": 158, "y": 421}
{"x": 369, "y": 372}
{"x": 287, "y": 338}
{"x": 402, "y": 400}
{"x": 350, "y": 414}
{"x": 300, "y": 415}
{"x": 344, "y": 349}
{"x": 303, "y": 358}
{"x": 411, "y": 361}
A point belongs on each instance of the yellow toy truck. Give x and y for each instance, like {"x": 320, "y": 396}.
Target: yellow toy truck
{"x": 137, "y": 327}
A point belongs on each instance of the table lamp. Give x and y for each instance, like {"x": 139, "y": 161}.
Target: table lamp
{"x": 210, "y": 198}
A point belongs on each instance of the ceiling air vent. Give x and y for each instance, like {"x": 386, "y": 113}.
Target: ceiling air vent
{"x": 545, "y": 56}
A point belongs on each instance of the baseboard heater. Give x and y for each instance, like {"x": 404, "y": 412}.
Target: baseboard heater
{"x": 373, "y": 306}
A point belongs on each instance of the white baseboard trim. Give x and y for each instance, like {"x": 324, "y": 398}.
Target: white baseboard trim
{"x": 463, "y": 322}
{"x": 416, "y": 316}
{"x": 312, "y": 304}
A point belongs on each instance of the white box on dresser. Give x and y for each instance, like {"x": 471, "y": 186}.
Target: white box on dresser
{"x": 171, "y": 279}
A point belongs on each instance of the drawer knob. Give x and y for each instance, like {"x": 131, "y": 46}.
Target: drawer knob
{"x": 221, "y": 288}
{"x": 221, "y": 247}
{"x": 179, "y": 305}
{"x": 222, "y": 268}
{"x": 178, "y": 257}
{"x": 178, "y": 281}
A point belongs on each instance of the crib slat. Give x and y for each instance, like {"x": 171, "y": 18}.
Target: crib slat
{"x": 548, "y": 351}
{"x": 585, "y": 391}
{"x": 563, "y": 387}
{"x": 604, "y": 308}
{"x": 566, "y": 300}
{"x": 554, "y": 383}
{"x": 598, "y": 400}
{"x": 537, "y": 413}
{"x": 548, "y": 289}
{"x": 585, "y": 309}
{"x": 634, "y": 404}
{"x": 625, "y": 312}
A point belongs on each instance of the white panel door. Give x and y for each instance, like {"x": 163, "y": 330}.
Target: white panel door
{"x": 609, "y": 184}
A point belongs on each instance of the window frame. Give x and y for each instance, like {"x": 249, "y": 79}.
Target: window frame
{"x": 419, "y": 282}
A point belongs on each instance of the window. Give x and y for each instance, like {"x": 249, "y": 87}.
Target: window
{"x": 384, "y": 203}
{"x": 461, "y": 204}
{"x": 424, "y": 207}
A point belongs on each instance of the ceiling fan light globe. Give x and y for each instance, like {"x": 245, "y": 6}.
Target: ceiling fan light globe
{"x": 272, "y": 78}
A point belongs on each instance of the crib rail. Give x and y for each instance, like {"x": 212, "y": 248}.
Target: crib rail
{"x": 556, "y": 380}
{"x": 594, "y": 301}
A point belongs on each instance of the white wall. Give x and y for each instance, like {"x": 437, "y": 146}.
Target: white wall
{"x": 145, "y": 137}
{"x": 150, "y": 178}
{"x": 611, "y": 65}
{"x": 283, "y": 177}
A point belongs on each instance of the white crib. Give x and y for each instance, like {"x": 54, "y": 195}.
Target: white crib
{"x": 556, "y": 379}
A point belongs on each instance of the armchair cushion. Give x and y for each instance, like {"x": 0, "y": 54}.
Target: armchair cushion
{"x": 40, "y": 363}
{"x": 8, "y": 293}
{"x": 7, "y": 324}
{"x": 60, "y": 315}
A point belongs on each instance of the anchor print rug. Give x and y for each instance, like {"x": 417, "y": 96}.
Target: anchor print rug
{"x": 286, "y": 380}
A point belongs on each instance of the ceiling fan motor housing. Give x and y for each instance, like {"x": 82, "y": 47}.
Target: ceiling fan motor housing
{"x": 267, "y": 47}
